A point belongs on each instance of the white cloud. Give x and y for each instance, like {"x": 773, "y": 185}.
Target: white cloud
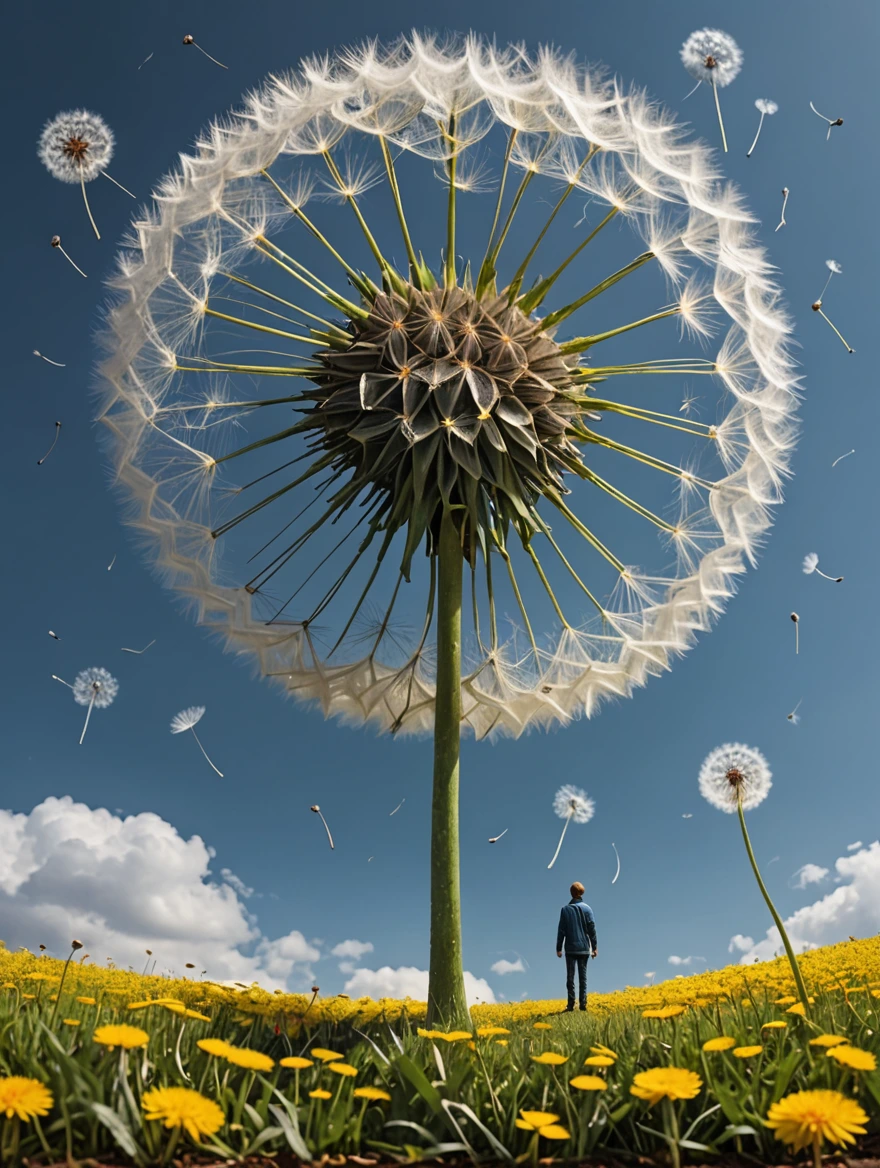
{"x": 352, "y": 948}
{"x": 674, "y": 960}
{"x": 854, "y": 847}
{"x": 237, "y": 883}
{"x": 409, "y": 982}
{"x": 125, "y": 885}
{"x": 739, "y": 943}
{"x": 347, "y": 966}
{"x": 808, "y": 874}
{"x": 851, "y": 909}
{"x": 502, "y": 967}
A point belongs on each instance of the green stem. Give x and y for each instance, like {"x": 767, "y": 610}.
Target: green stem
{"x": 446, "y": 998}
{"x": 817, "y": 1150}
{"x": 672, "y": 1132}
{"x": 450, "y": 208}
{"x": 777, "y": 920}
{"x": 60, "y": 988}
{"x": 414, "y": 271}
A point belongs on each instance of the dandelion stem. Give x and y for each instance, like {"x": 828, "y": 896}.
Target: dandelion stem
{"x": 394, "y": 277}
{"x": 414, "y": 269}
{"x": 326, "y": 828}
{"x": 61, "y": 985}
{"x": 579, "y": 344}
{"x": 817, "y": 1150}
{"x": 487, "y": 267}
{"x": 72, "y": 264}
{"x": 445, "y": 978}
{"x": 720, "y": 119}
{"x": 210, "y": 58}
{"x": 280, "y": 300}
{"x": 561, "y": 838}
{"x": 263, "y": 328}
{"x": 795, "y": 968}
{"x": 757, "y": 136}
{"x": 562, "y": 314}
{"x": 844, "y": 342}
{"x": 82, "y": 183}
{"x": 118, "y": 184}
{"x": 537, "y": 563}
{"x": 88, "y": 715}
{"x": 324, "y": 291}
{"x": 532, "y": 299}
{"x": 450, "y": 274}
{"x": 672, "y": 1132}
{"x": 204, "y": 752}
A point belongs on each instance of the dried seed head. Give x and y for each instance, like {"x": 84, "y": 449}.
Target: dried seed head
{"x": 188, "y": 40}
{"x": 76, "y": 945}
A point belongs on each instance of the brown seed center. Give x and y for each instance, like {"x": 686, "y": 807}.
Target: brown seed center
{"x": 710, "y": 62}
{"x": 76, "y": 148}
{"x": 735, "y": 777}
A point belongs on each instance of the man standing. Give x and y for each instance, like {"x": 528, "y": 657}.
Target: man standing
{"x": 577, "y": 930}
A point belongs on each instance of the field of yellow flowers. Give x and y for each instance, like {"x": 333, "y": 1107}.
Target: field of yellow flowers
{"x": 103, "y": 1062}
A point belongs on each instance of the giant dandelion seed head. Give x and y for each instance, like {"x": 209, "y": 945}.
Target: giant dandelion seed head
{"x": 735, "y": 773}
{"x": 572, "y": 803}
{"x": 96, "y": 687}
{"x": 765, "y": 106}
{"x": 712, "y": 55}
{"x": 399, "y": 382}
{"x": 76, "y": 146}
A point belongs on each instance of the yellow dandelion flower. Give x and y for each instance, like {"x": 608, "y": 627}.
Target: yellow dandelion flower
{"x": 251, "y": 1060}
{"x": 599, "y": 1060}
{"x": 295, "y": 1062}
{"x": 422, "y": 1033}
{"x": 320, "y": 1093}
{"x": 10, "y": 985}
{"x": 215, "y": 1046}
{"x": 780, "y": 1025}
{"x": 827, "y": 1040}
{"x": 853, "y": 1056}
{"x": 550, "y": 1058}
{"x": 455, "y": 1035}
{"x": 23, "y": 1097}
{"x": 809, "y": 1117}
{"x": 173, "y": 1007}
{"x": 744, "y": 1052}
{"x": 343, "y": 1069}
{"x": 29, "y": 997}
{"x": 588, "y": 1083}
{"x": 541, "y": 1026}
{"x": 183, "y": 1107}
{"x": 666, "y": 1083}
{"x": 544, "y": 1123}
{"x": 371, "y": 1093}
{"x": 501, "y": 1042}
{"x": 38, "y": 977}
{"x": 71, "y": 1022}
{"x": 326, "y": 1056}
{"x": 195, "y": 1014}
{"x": 606, "y": 1050}
{"x": 86, "y": 1001}
{"x": 722, "y": 1042}
{"x": 664, "y": 1012}
{"x": 786, "y": 1001}
{"x": 127, "y": 1037}
{"x": 491, "y": 1031}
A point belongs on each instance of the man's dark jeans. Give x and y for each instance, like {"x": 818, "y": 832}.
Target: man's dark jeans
{"x": 576, "y": 961}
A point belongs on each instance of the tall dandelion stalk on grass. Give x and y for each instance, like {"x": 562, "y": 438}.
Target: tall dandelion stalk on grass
{"x": 448, "y": 464}
{"x": 735, "y": 778}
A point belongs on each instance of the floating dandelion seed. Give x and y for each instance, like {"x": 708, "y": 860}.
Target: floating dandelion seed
{"x": 57, "y": 364}
{"x": 834, "y": 269}
{"x": 40, "y": 461}
{"x": 138, "y": 652}
{"x": 571, "y": 803}
{"x": 112, "y": 562}
{"x": 687, "y": 404}
{"x": 188, "y": 40}
{"x": 811, "y": 564}
{"x": 495, "y": 838}
{"x": 736, "y": 778}
{"x": 76, "y": 146}
{"x": 832, "y": 122}
{"x": 796, "y": 619}
{"x": 397, "y": 808}
{"x": 794, "y": 717}
{"x": 784, "y": 205}
{"x": 188, "y": 719}
{"x": 842, "y": 456}
{"x": 144, "y": 62}
{"x": 56, "y": 243}
{"x": 441, "y": 400}
{"x": 687, "y": 815}
{"x": 617, "y": 873}
{"x": 765, "y": 107}
{"x": 712, "y": 56}
{"x": 55, "y": 635}
{"x": 318, "y": 812}
{"x": 95, "y": 688}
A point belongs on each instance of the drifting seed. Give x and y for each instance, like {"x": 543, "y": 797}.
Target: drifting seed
{"x": 495, "y": 838}
{"x": 57, "y": 364}
{"x": 317, "y": 811}
{"x": 40, "y": 461}
{"x": 188, "y": 40}
{"x": 55, "y": 635}
{"x": 795, "y": 618}
{"x": 56, "y": 243}
{"x": 784, "y": 203}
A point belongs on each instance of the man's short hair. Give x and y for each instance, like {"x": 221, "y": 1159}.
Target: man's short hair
{"x": 577, "y": 889}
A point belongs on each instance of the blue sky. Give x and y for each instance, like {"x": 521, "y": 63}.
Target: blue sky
{"x": 684, "y": 888}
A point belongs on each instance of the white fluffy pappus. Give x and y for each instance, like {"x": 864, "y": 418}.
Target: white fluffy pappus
{"x": 76, "y": 146}
{"x": 712, "y": 56}
{"x": 574, "y": 803}
{"x": 666, "y": 184}
{"x": 95, "y": 686}
{"x": 733, "y": 773}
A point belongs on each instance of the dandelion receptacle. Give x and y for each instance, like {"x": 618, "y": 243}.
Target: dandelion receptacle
{"x": 443, "y": 492}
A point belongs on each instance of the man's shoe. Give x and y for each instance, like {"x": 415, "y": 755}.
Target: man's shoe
{"x": 584, "y": 1008}
{"x": 569, "y": 1009}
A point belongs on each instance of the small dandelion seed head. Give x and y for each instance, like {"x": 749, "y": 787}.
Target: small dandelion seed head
{"x": 96, "y": 687}
{"x": 188, "y": 40}
{"x": 834, "y": 266}
{"x": 795, "y": 617}
{"x": 733, "y": 773}
{"x": 810, "y": 564}
{"x": 55, "y": 241}
{"x": 572, "y": 802}
{"x": 76, "y": 146}
{"x": 765, "y": 106}
{"x": 186, "y": 719}
{"x": 712, "y": 55}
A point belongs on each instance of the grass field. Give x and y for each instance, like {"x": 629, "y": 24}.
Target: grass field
{"x": 99, "y": 1060}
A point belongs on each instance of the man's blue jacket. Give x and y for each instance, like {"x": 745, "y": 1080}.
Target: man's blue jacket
{"x": 576, "y": 928}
